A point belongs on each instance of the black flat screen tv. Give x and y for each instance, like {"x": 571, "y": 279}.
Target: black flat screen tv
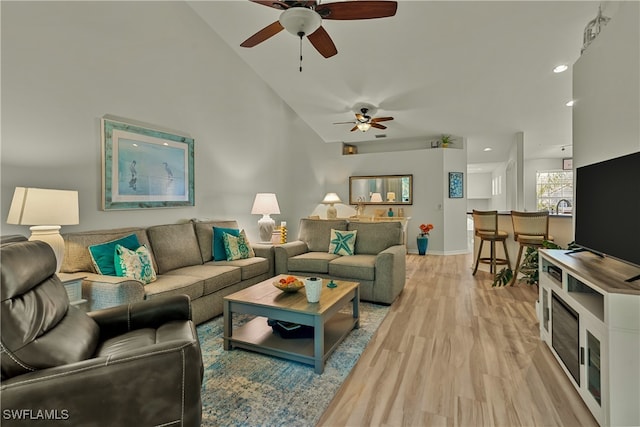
{"x": 607, "y": 208}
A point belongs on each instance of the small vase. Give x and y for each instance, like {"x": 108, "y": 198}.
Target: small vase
{"x": 423, "y": 242}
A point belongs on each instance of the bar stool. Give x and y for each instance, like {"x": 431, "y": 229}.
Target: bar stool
{"x": 530, "y": 229}
{"x": 485, "y": 225}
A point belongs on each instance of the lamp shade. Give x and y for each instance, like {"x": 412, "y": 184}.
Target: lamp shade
{"x": 265, "y": 204}
{"x": 331, "y": 198}
{"x": 41, "y": 206}
{"x": 376, "y": 198}
{"x": 391, "y": 196}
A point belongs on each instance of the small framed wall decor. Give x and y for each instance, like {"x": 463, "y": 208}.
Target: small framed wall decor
{"x": 456, "y": 185}
{"x": 567, "y": 164}
{"x": 143, "y": 167}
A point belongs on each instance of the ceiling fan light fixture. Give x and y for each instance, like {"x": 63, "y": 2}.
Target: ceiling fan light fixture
{"x": 364, "y": 126}
{"x": 298, "y": 20}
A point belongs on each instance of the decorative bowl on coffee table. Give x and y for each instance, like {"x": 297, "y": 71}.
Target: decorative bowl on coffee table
{"x": 289, "y": 284}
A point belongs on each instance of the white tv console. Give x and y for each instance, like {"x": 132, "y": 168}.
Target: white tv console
{"x": 597, "y": 330}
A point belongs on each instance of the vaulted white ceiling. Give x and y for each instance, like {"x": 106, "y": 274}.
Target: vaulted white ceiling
{"x": 474, "y": 69}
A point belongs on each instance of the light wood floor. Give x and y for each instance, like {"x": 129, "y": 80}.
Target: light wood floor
{"x": 453, "y": 351}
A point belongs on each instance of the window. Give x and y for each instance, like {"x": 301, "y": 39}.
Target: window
{"x": 554, "y": 191}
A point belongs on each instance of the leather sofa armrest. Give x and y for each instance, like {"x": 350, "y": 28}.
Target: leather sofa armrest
{"x": 285, "y": 251}
{"x": 145, "y": 314}
{"x": 112, "y": 389}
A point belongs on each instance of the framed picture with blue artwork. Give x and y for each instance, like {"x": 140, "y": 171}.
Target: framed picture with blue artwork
{"x": 456, "y": 185}
{"x": 145, "y": 167}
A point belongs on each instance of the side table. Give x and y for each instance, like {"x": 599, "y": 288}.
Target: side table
{"x": 73, "y": 285}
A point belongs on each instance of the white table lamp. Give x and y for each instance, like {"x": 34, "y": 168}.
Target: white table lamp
{"x": 391, "y": 196}
{"x": 376, "y": 198}
{"x": 45, "y": 210}
{"x": 265, "y": 204}
{"x": 330, "y": 199}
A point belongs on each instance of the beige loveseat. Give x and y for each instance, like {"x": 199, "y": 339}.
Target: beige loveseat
{"x": 182, "y": 258}
{"x": 378, "y": 263}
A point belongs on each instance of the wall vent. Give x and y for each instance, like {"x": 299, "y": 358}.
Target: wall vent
{"x": 382, "y": 135}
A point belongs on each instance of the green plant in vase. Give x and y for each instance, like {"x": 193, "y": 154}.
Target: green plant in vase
{"x": 446, "y": 140}
{"x": 529, "y": 267}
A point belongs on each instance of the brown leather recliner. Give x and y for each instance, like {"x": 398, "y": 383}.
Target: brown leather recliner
{"x": 135, "y": 365}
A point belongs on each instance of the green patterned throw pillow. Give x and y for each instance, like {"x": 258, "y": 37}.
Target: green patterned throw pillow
{"x": 135, "y": 264}
{"x": 237, "y": 247}
{"x": 342, "y": 242}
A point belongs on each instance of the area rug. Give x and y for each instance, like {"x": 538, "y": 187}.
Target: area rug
{"x": 243, "y": 388}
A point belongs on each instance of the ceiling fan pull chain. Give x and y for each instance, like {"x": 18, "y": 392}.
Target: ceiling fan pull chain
{"x": 301, "y": 34}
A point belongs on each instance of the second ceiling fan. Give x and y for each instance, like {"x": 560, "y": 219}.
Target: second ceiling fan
{"x": 364, "y": 122}
{"x": 304, "y": 18}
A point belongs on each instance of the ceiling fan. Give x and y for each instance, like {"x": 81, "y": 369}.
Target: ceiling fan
{"x": 304, "y": 18}
{"x": 364, "y": 122}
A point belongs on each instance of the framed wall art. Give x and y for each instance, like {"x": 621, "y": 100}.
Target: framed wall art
{"x": 143, "y": 167}
{"x": 456, "y": 185}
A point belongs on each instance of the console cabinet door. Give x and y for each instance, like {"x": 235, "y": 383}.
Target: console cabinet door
{"x": 594, "y": 381}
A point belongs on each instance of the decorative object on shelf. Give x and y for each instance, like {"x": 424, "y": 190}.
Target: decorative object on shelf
{"x": 45, "y": 210}
{"x": 145, "y": 167}
{"x": 456, "y": 185}
{"x": 445, "y": 140}
{"x": 265, "y": 204}
{"x": 376, "y": 198}
{"x": 593, "y": 28}
{"x": 283, "y": 232}
{"x": 391, "y": 196}
{"x": 330, "y": 199}
{"x": 401, "y": 212}
{"x": 390, "y": 212}
{"x": 313, "y": 287}
{"x": 423, "y": 238}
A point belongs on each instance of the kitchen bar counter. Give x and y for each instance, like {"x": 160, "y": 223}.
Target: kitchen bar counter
{"x": 560, "y": 227}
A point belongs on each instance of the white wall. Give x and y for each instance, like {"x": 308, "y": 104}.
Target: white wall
{"x": 606, "y": 87}
{"x": 67, "y": 64}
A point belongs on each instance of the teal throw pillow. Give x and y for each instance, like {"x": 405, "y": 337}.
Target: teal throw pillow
{"x": 102, "y": 254}
{"x": 342, "y": 242}
{"x": 135, "y": 264}
{"x": 237, "y": 247}
{"x": 217, "y": 246}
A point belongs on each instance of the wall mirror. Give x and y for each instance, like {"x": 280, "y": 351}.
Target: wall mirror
{"x": 381, "y": 190}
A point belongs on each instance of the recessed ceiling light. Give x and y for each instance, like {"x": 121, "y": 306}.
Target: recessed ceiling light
{"x": 570, "y": 103}
{"x": 488, "y": 149}
{"x": 560, "y": 68}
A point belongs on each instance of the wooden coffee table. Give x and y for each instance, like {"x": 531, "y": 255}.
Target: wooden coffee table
{"x": 264, "y": 300}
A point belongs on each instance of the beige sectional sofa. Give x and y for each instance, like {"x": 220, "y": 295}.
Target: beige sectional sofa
{"x": 378, "y": 263}
{"x": 182, "y": 258}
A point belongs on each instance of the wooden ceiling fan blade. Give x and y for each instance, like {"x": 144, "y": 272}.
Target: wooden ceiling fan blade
{"x": 354, "y": 128}
{"x": 262, "y": 35}
{"x": 361, "y": 9}
{"x": 322, "y": 42}
{"x": 280, "y": 5}
{"x": 344, "y": 123}
{"x": 361, "y": 118}
{"x": 379, "y": 126}
{"x": 381, "y": 119}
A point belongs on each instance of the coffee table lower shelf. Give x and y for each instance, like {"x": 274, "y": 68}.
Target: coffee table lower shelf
{"x": 256, "y": 335}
